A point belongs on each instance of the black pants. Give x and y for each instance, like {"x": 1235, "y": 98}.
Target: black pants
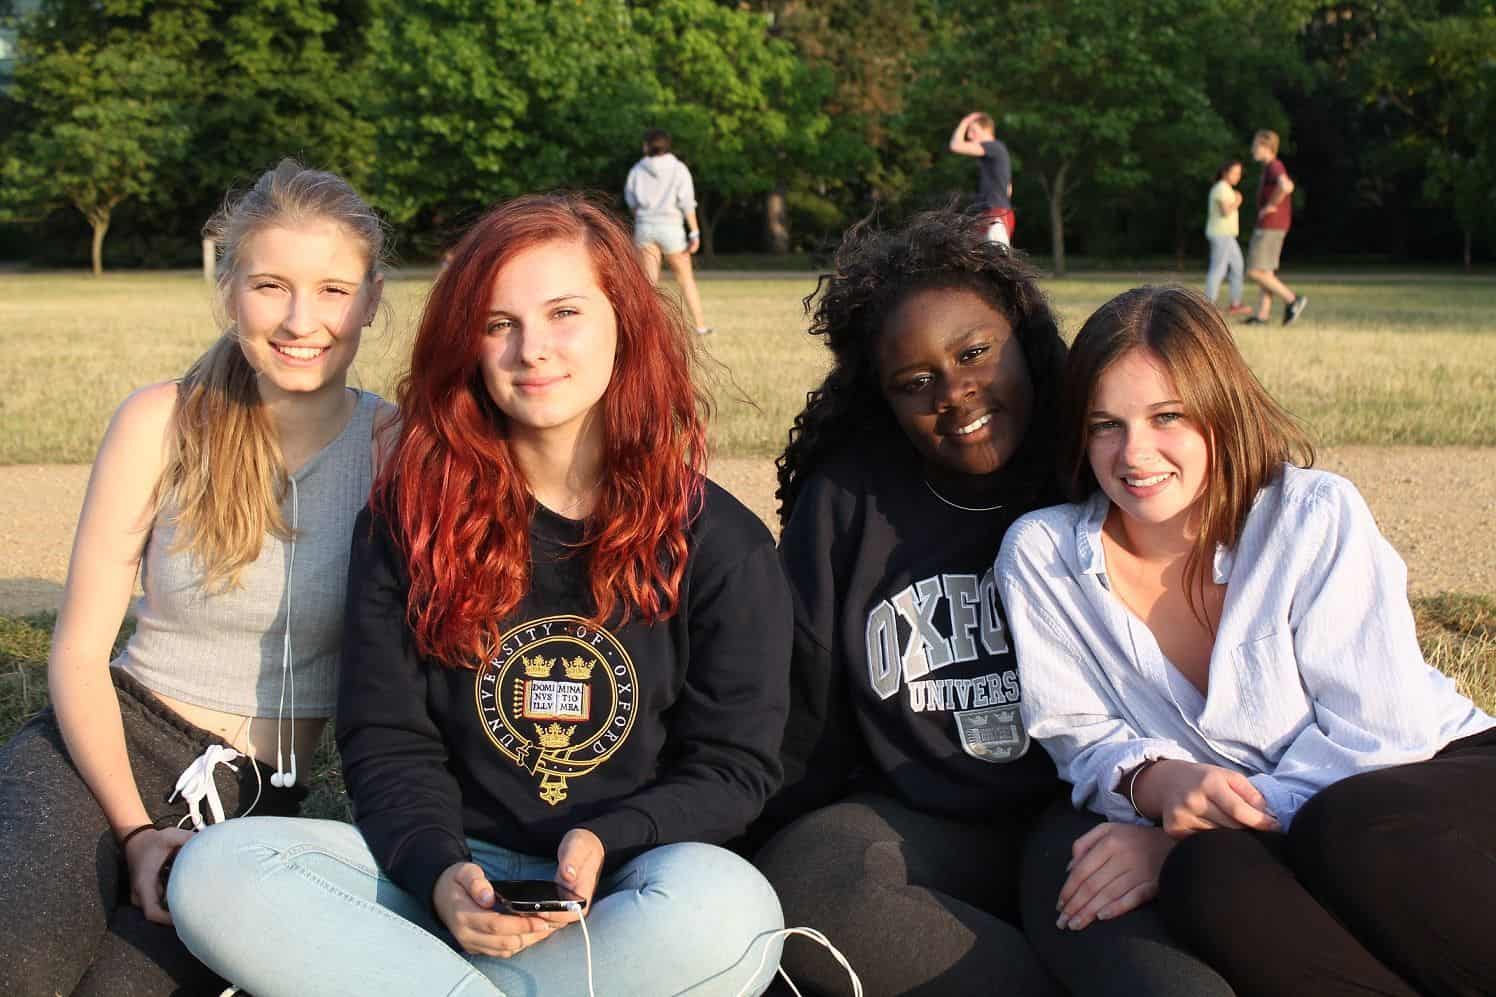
{"x": 918, "y": 904}
{"x": 1134, "y": 955}
{"x": 1383, "y": 885}
{"x": 70, "y": 928}
{"x": 927, "y": 905}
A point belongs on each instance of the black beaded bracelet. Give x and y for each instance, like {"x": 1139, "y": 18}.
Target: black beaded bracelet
{"x": 133, "y": 832}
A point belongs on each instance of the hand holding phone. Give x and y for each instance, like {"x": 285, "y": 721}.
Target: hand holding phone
{"x": 469, "y": 906}
{"x": 579, "y": 862}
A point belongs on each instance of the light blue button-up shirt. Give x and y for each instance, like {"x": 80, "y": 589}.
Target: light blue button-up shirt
{"x": 1315, "y": 675}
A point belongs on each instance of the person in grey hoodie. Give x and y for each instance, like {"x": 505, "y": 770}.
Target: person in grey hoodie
{"x": 661, "y": 195}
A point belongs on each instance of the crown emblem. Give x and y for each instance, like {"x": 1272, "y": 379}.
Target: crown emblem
{"x": 537, "y": 667}
{"x": 579, "y": 668}
{"x": 554, "y": 735}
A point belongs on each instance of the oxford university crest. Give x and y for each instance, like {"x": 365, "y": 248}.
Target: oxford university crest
{"x": 557, "y": 698}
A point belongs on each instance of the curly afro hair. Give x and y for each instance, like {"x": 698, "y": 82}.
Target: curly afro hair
{"x": 874, "y": 270}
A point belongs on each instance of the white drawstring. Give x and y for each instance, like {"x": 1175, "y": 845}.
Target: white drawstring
{"x": 195, "y": 784}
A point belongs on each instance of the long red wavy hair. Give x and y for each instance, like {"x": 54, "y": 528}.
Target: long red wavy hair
{"x": 459, "y": 506}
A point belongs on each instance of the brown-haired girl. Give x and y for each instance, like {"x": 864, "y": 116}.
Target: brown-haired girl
{"x": 231, "y": 494}
{"x": 1217, "y": 650}
{"x": 566, "y": 659}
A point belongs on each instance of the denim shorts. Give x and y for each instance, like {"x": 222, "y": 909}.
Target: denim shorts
{"x": 669, "y": 236}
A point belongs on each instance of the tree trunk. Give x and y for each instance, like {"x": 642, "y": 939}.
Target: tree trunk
{"x": 1181, "y": 236}
{"x": 709, "y": 220}
{"x": 777, "y": 222}
{"x": 100, "y": 222}
{"x": 1467, "y": 250}
{"x": 1056, "y": 191}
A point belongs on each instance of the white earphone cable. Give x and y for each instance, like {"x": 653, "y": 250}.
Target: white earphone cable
{"x": 283, "y": 779}
{"x": 766, "y": 938}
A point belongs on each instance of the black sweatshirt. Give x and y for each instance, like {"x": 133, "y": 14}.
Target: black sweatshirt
{"x": 643, "y": 734}
{"x": 903, "y": 678}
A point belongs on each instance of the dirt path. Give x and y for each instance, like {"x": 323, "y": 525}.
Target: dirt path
{"x": 1436, "y": 505}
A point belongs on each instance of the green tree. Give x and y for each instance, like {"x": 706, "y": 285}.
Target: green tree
{"x": 1109, "y": 104}
{"x": 745, "y": 110}
{"x": 1075, "y": 90}
{"x": 103, "y": 122}
{"x": 284, "y": 78}
{"x": 479, "y": 101}
{"x": 869, "y": 48}
{"x": 1440, "y": 74}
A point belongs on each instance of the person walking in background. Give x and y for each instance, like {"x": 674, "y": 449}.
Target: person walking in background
{"x": 1274, "y": 216}
{"x": 975, "y": 136}
{"x": 1222, "y": 227}
{"x": 661, "y": 194}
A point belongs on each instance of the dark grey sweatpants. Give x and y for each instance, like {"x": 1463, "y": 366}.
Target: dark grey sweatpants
{"x": 70, "y": 927}
{"x": 930, "y": 906}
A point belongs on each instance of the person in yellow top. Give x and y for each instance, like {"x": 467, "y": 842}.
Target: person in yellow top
{"x": 1221, "y": 229}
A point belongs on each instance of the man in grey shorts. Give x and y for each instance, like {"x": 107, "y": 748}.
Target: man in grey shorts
{"x": 1274, "y": 216}
{"x": 660, "y": 193}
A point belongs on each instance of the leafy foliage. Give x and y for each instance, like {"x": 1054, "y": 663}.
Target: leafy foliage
{"x": 1116, "y": 113}
{"x": 106, "y": 123}
{"x": 1439, "y": 74}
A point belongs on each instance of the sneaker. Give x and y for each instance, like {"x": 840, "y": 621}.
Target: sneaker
{"x": 1295, "y": 309}
{"x": 1239, "y": 310}
{"x": 1254, "y": 320}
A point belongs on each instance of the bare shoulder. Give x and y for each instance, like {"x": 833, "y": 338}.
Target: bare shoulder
{"x": 143, "y": 418}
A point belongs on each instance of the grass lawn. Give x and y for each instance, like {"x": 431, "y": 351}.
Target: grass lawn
{"x": 1378, "y": 363}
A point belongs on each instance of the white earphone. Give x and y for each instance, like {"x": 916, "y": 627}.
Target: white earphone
{"x": 286, "y": 778}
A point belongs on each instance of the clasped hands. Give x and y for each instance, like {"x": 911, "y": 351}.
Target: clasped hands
{"x": 1114, "y": 867}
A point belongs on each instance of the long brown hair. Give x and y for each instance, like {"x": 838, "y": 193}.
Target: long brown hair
{"x": 459, "y": 504}
{"x": 224, "y": 476}
{"x": 1249, "y": 435}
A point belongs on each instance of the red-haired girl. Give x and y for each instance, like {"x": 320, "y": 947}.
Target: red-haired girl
{"x": 565, "y": 659}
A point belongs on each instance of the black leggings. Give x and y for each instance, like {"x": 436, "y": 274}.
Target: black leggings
{"x": 1134, "y": 955}
{"x": 1382, "y": 885}
{"x": 70, "y": 927}
{"x": 928, "y": 905}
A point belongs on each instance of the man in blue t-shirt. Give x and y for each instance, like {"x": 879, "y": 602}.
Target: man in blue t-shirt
{"x": 975, "y": 136}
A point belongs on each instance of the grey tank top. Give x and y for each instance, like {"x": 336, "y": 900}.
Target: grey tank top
{"x": 224, "y": 651}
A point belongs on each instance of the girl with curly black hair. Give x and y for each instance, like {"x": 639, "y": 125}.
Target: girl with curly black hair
{"x": 909, "y": 777}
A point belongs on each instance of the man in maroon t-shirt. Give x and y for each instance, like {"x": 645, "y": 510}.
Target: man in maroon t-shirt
{"x": 1274, "y": 216}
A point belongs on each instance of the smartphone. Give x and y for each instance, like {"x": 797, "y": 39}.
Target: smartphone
{"x": 535, "y": 896}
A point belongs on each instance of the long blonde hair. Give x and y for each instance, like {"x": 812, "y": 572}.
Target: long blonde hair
{"x": 224, "y": 477}
{"x": 1249, "y": 435}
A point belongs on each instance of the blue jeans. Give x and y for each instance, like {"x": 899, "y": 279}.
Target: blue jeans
{"x": 1225, "y": 258}
{"x": 286, "y": 907}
